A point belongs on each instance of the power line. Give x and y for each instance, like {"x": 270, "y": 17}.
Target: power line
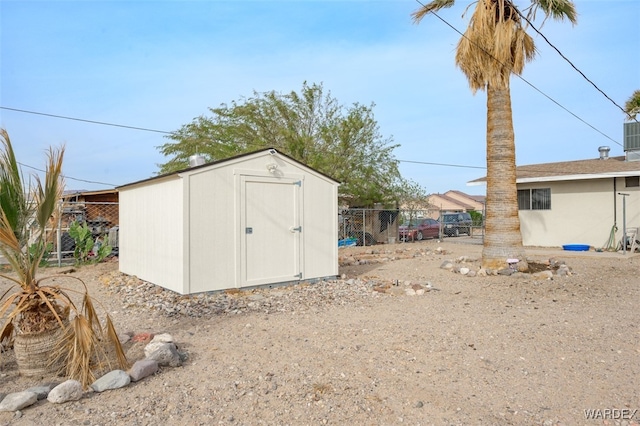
{"x": 67, "y": 177}
{"x": 527, "y": 82}
{"x": 441, "y": 164}
{"x": 103, "y": 123}
{"x": 403, "y": 161}
{"x": 569, "y": 62}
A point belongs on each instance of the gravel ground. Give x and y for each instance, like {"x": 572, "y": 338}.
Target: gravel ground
{"x": 396, "y": 340}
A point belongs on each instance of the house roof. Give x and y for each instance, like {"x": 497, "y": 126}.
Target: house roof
{"x": 77, "y": 192}
{"x": 453, "y": 202}
{"x": 246, "y": 154}
{"x": 476, "y": 198}
{"x": 573, "y": 170}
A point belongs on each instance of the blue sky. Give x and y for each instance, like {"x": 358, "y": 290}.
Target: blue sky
{"x": 159, "y": 64}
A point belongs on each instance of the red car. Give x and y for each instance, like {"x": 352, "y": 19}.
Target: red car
{"x": 419, "y": 229}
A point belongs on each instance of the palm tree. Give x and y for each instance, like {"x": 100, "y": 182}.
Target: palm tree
{"x": 632, "y": 106}
{"x": 494, "y": 46}
{"x": 74, "y": 345}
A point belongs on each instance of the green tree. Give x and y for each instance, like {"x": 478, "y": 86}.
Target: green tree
{"x": 632, "y": 106}
{"x": 310, "y": 126}
{"x": 495, "y": 45}
{"x": 411, "y": 198}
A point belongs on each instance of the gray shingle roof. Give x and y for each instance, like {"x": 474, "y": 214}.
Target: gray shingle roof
{"x": 575, "y": 170}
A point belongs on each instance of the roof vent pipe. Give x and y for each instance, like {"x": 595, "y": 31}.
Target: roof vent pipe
{"x": 604, "y": 152}
{"x": 196, "y": 160}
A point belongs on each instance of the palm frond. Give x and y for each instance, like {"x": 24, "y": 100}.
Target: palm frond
{"x": 6, "y": 334}
{"x": 112, "y": 335}
{"x": 14, "y": 202}
{"x": 433, "y": 6}
{"x": 42, "y": 293}
{"x": 494, "y": 45}
{"x": 555, "y": 9}
{"x": 82, "y": 346}
{"x": 76, "y": 349}
{"x": 632, "y": 106}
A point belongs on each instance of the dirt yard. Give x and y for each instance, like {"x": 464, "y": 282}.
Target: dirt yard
{"x": 496, "y": 350}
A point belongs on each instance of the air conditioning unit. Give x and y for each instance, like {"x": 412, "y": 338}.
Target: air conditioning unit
{"x": 632, "y": 141}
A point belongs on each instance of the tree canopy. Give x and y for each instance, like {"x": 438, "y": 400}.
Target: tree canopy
{"x": 311, "y": 126}
{"x": 632, "y": 106}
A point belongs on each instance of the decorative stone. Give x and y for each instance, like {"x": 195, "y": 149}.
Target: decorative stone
{"x": 18, "y": 400}
{"x": 143, "y": 368}
{"x": 42, "y": 391}
{"x": 115, "y": 379}
{"x": 71, "y": 390}
{"x": 164, "y": 353}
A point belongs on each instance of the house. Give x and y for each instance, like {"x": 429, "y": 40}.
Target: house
{"x": 256, "y": 219}
{"x": 456, "y": 201}
{"x": 96, "y": 208}
{"x": 578, "y": 202}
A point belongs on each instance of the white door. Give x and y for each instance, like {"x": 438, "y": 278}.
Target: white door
{"x": 270, "y": 230}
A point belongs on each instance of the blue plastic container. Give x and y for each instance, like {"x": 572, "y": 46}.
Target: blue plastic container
{"x": 576, "y": 247}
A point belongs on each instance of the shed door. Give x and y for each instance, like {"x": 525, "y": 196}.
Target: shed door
{"x": 270, "y": 230}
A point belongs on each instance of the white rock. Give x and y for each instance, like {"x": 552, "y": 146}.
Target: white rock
{"x": 18, "y": 400}
{"x": 71, "y": 390}
{"x": 162, "y": 338}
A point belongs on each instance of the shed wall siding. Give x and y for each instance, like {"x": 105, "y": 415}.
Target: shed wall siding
{"x": 151, "y": 234}
{"x": 212, "y": 229}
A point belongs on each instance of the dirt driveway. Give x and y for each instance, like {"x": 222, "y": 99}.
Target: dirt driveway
{"x": 497, "y": 350}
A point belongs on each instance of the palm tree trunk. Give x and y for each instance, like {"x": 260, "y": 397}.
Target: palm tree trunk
{"x": 503, "y": 239}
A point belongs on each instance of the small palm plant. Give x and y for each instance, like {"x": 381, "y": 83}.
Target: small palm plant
{"x": 78, "y": 345}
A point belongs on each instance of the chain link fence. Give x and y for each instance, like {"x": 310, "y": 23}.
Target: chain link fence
{"x": 100, "y": 218}
{"x": 361, "y": 227}
{"x": 367, "y": 227}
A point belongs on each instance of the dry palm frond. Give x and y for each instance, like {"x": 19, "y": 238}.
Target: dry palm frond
{"x": 76, "y": 349}
{"x": 87, "y": 347}
{"x": 35, "y": 307}
{"x": 112, "y": 336}
{"x": 6, "y": 335}
{"x": 494, "y": 45}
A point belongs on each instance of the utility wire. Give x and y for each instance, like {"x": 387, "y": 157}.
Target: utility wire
{"x": 67, "y": 177}
{"x": 527, "y": 82}
{"x": 144, "y": 129}
{"x": 569, "y": 62}
{"x": 442, "y": 164}
{"x": 402, "y": 161}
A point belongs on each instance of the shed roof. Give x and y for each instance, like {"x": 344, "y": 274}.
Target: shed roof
{"x": 573, "y": 170}
{"x": 236, "y": 157}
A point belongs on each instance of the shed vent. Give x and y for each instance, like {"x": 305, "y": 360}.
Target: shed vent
{"x": 196, "y": 160}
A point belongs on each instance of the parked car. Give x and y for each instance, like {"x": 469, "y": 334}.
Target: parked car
{"x": 455, "y": 224}
{"x": 419, "y": 229}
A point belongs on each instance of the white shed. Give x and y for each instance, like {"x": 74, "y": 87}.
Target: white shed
{"x": 255, "y": 219}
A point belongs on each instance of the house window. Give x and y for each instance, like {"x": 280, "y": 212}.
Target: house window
{"x": 632, "y": 181}
{"x": 534, "y": 199}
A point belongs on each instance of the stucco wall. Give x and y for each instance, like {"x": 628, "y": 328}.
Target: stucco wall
{"x": 582, "y": 212}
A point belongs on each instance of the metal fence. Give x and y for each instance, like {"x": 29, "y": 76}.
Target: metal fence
{"x": 101, "y": 219}
{"x": 366, "y": 227}
{"x": 363, "y": 227}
